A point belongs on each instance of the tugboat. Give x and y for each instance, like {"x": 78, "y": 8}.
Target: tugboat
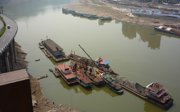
{"x": 66, "y": 73}
{"x": 112, "y": 84}
{"x": 80, "y": 71}
{"x": 157, "y": 94}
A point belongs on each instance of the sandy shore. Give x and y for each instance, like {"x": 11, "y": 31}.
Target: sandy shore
{"x": 118, "y": 13}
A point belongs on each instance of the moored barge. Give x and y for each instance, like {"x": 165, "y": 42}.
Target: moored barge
{"x": 168, "y": 29}
{"x": 66, "y": 73}
{"x": 96, "y": 76}
{"x": 53, "y": 50}
{"x": 154, "y": 92}
{"x": 99, "y": 63}
{"x": 82, "y": 78}
{"x": 112, "y": 84}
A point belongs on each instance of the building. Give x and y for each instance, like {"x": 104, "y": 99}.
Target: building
{"x": 15, "y": 95}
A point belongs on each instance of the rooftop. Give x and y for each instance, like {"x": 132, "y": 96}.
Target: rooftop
{"x": 52, "y": 45}
{"x": 14, "y": 76}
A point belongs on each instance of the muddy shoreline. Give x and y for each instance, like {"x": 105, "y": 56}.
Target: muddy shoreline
{"x": 43, "y": 104}
{"x": 116, "y": 12}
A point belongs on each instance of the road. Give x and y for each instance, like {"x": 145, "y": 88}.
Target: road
{"x": 9, "y": 34}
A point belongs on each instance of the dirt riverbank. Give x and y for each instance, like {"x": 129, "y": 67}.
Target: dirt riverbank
{"x": 43, "y": 104}
{"x": 117, "y": 12}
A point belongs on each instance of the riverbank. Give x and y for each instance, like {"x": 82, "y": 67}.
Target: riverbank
{"x": 117, "y": 12}
{"x": 42, "y": 103}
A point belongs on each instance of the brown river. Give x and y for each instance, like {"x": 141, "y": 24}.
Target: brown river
{"x": 136, "y": 52}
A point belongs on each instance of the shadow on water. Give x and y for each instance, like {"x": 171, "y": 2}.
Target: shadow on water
{"x": 102, "y": 22}
{"x": 149, "y": 107}
{"x": 79, "y": 89}
{"x": 76, "y": 88}
{"x": 106, "y": 90}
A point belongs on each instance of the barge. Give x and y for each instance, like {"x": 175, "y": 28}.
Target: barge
{"x": 66, "y": 74}
{"x": 82, "y": 79}
{"x": 96, "y": 76}
{"x": 53, "y": 50}
{"x": 112, "y": 84}
{"x": 168, "y": 29}
{"x": 99, "y": 63}
{"x": 154, "y": 92}
{"x": 92, "y": 72}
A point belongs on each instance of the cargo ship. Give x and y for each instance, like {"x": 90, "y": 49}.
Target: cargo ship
{"x": 153, "y": 92}
{"x": 168, "y": 29}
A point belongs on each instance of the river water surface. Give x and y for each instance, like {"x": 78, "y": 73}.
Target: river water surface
{"x": 136, "y": 52}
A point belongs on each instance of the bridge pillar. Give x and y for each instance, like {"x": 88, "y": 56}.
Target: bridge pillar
{"x": 7, "y": 61}
{"x": 0, "y": 65}
{"x": 14, "y": 50}
{"x": 12, "y": 55}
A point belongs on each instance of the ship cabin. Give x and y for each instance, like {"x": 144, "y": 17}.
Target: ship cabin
{"x": 53, "y": 48}
{"x": 66, "y": 73}
{"x": 102, "y": 63}
{"x": 157, "y": 92}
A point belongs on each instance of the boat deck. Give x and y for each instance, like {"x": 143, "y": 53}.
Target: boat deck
{"x": 83, "y": 77}
{"x": 80, "y": 59}
{"x": 49, "y": 55}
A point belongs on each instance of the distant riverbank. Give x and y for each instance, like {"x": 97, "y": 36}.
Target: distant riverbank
{"x": 116, "y": 12}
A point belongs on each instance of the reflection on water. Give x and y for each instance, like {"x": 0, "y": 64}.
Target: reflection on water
{"x": 131, "y": 30}
{"x": 109, "y": 92}
{"x": 148, "y": 107}
{"x": 102, "y": 22}
{"x": 130, "y": 48}
{"x": 80, "y": 89}
{"x": 76, "y": 88}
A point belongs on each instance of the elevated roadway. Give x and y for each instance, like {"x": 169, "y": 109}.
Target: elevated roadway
{"x": 9, "y": 34}
{"x": 7, "y": 45}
